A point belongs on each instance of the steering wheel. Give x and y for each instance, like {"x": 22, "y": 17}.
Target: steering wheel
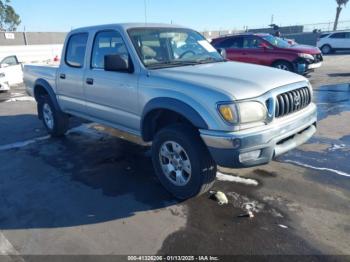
{"x": 187, "y": 52}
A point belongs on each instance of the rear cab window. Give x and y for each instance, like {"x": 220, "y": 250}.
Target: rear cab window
{"x": 76, "y": 50}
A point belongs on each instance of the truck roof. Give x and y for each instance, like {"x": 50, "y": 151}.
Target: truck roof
{"x": 126, "y": 26}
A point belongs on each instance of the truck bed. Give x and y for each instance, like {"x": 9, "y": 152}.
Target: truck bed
{"x": 34, "y": 72}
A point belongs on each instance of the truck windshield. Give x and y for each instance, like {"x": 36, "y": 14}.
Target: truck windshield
{"x": 276, "y": 41}
{"x": 171, "y": 47}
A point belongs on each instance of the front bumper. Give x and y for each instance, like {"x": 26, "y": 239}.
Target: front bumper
{"x": 303, "y": 66}
{"x": 4, "y": 86}
{"x": 264, "y": 142}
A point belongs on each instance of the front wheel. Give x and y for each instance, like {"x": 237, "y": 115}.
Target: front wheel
{"x": 182, "y": 162}
{"x": 326, "y": 49}
{"x": 55, "y": 121}
{"x": 283, "y": 66}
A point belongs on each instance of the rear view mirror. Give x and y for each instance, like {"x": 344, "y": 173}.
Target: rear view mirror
{"x": 116, "y": 63}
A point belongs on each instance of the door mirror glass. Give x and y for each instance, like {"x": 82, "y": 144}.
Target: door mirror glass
{"x": 117, "y": 63}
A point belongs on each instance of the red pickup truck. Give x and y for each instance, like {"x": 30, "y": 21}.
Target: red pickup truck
{"x": 265, "y": 49}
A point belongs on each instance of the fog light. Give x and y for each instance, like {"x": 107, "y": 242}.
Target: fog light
{"x": 236, "y": 143}
{"x": 250, "y": 156}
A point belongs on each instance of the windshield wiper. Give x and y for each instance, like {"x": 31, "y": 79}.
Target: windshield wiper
{"x": 185, "y": 63}
{"x": 172, "y": 63}
{"x": 210, "y": 60}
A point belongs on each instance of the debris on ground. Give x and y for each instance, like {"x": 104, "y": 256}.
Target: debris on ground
{"x": 283, "y": 226}
{"x": 250, "y": 214}
{"x": 245, "y": 203}
{"x": 336, "y": 147}
{"x": 220, "y": 197}
{"x": 236, "y": 179}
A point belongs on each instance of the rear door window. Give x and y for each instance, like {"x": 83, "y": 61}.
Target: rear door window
{"x": 76, "y": 50}
{"x": 338, "y": 35}
{"x": 235, "y": 42}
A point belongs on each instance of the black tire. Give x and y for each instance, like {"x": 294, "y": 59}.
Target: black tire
{"x": 60, "y": 120}
{"x": 203, "y": 168}
{"x": 326, "y": 49}
{"x": 284, "y": 65}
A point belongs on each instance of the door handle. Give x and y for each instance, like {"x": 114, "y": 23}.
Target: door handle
{"x": 63, "y": 76}
{"x": 90, "y": 81}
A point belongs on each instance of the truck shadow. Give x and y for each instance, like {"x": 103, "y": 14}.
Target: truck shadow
{"x": 339, "y": 75}
{"x": 339, "y": 53}
{"x": 78, "y": 180}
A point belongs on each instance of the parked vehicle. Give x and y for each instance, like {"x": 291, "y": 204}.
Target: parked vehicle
{"x": 332, "y": 42}
{"x": 4, "y": 84}
{"x": 11, "y": 69}
{"x": 197, "y": 109}
{"x": 268, "y": 50}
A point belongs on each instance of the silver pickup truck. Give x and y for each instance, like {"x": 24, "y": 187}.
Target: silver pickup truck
{"x": 169, "y": 86}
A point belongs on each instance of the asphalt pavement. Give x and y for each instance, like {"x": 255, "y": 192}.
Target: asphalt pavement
{"x": 94, "y": 193}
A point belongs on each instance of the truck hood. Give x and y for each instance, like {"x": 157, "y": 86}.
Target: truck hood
{"x": 237, "y": 80}
{"x": 306, "y": 49}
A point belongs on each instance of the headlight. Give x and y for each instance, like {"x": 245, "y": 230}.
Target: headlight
{"x": 306, "y": 56}
{"x": 252, "y": 112}
{"x": 243, "y": 112}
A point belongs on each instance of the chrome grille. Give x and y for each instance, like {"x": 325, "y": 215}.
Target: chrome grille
{"x": 292, "y": 101}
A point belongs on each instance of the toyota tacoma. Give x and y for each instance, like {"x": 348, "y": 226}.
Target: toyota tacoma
{"x": 169, "y": 86}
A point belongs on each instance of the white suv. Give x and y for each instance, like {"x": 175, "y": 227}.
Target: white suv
{"x": 332, "y": 42}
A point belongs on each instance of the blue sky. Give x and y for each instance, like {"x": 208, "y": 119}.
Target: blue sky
{"x": 63, "y": 15}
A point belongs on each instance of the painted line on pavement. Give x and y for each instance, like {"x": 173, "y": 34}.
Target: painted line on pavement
{"x": 341, "y": 173}
{"x": 85, "y": 129}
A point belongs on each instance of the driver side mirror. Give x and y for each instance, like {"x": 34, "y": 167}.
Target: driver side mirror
{"x": 117, "y": 63}
{"x": 263, "y": 45}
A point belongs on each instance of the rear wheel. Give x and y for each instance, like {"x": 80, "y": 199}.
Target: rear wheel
{"x": 283, "y": 65}
{"x": 55, "y": 122}
{"x": 326, "y": 49}
{"x": 182, "y": 162}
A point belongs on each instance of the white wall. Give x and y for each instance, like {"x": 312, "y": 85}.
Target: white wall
{"x": 32, "y": 53}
